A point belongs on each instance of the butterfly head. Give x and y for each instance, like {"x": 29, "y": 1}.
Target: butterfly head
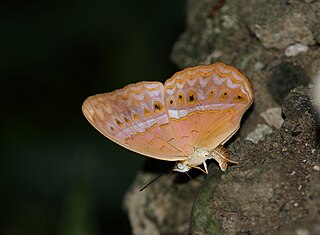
{"x": 181, "y": 167}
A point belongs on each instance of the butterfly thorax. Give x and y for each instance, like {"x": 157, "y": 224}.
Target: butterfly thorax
{"x": 200, "y": 156}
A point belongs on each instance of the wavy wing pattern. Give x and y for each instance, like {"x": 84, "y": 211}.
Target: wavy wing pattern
{"x": 197, "y": 107}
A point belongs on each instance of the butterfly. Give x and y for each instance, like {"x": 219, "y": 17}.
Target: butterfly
{"x": 187, "y": 119}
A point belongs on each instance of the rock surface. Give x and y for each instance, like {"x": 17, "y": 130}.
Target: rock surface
{"x": 277, "y": 183}
{"x": 276, "y": 187}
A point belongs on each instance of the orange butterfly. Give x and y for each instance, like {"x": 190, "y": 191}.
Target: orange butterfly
{"x": 187, "y": 119}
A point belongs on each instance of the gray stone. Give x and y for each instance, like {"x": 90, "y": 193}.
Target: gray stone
{"x": 275, "y": 188}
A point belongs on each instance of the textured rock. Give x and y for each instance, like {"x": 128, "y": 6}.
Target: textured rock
{"x": 275, "y": 188}
{"x": 163, "y": 207}
{"x": 296, "y": 49}
{"x": 273, "y": 117}
{"x": 284, "y": 77}
{"x": 259, "y": 133}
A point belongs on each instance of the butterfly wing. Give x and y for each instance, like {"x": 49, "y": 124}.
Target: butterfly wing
{"x": 135, "y": 117}
{"x": 198, "y": 107}
{"x": 205, "y": 104}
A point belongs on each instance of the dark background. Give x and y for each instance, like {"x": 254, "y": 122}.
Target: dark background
{"x": 58, "y": 174}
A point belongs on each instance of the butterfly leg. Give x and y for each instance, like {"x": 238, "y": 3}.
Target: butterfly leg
{"x": 199, "y": 168}
{"x": 205, "y": 167}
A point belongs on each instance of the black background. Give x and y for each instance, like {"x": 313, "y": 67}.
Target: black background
{"x": 58, "y": 174}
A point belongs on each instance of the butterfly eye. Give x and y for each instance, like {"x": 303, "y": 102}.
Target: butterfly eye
{"x": 180, "y": 166}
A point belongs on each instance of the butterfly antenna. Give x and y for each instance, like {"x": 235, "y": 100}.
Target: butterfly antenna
{"x": 167, "y": 176}
{"x": 189, "y": 175}
{"x": 150, "y": 182}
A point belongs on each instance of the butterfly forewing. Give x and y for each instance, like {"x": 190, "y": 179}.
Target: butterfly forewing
{"x": 135, "y": 117}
